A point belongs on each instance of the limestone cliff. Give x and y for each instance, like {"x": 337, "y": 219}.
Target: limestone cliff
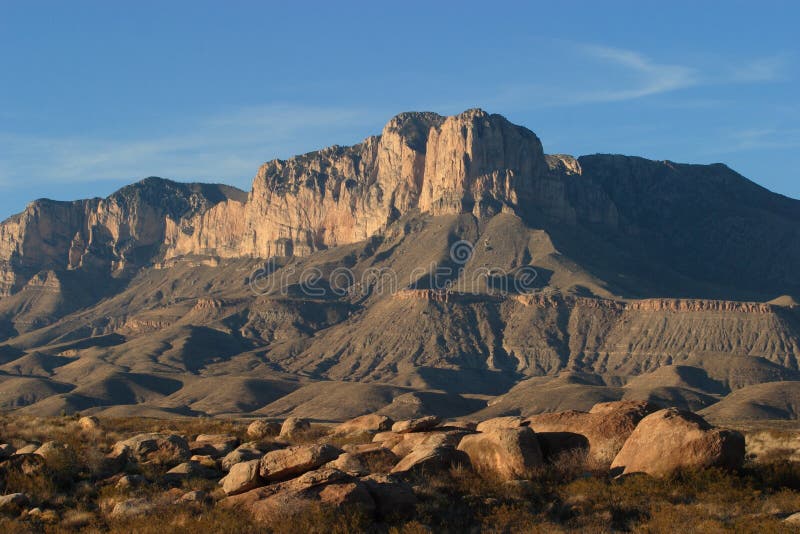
{"x": 473, "y": 162}
{"x": 620, "y": 217}
{"x": 114, "y": 234}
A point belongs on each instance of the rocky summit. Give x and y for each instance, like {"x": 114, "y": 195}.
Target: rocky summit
{"x": 447, "y": 267}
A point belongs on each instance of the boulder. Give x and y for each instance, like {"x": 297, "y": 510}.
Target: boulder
{"x": 243, "y": 453}
{"x": 293, "y": 461}
{"x": 132, "y": 508}
{"x": 673, "y": 439}
{"x": 508, "y": 453}
{"x": 416, "y": 425}
{"x": 325, "y": 486}
{"x": 463, "y": 425}
{"x": 188, "y": 470}
{"x": 28, "y": 448}
{"x": 449, "y": 438}
{"x": 214, "y": 445}
{"x": 512, "y": 421}
{"x": 388, "y": 439}
{"x": 430, "y": 457}
{"x": 365, "y": 424}
{"x": 261, "y": 428}
{"x": 376, "y": 457}
{"x": 352, "y": 464}
{"x": 294, "y": 426}
{"x": 89, "y": 423}
{"x": 156, "y": 448}
{"x": 602, "y": 430}
{"x": 243, "y": 476}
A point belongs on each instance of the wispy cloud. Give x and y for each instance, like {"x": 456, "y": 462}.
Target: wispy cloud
{"x": 220, "y": 147}
{"x": 620, "y": 75}
{"x": 762, "y": 139}
{"x": 650, "y": 77}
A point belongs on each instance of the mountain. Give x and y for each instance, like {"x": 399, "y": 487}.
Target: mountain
{"x": 447, "y": 265}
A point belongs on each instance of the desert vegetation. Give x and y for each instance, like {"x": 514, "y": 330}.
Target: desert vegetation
{"x": 618, "y": 467}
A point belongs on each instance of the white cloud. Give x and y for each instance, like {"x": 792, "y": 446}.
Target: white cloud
{"x": 215, "y": 148}
{"x": 619, "y": 75}
{"x": 651, "y": 77}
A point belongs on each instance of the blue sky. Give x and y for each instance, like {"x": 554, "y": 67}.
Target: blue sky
{"x": 94, "y": 95}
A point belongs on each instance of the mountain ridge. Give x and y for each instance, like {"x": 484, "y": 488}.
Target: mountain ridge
{"x": 632, "y": 266}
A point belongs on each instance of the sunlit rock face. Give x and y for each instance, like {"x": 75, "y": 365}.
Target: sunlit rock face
{"x": 473, "y": 163}
{"x": 469, "y": 163}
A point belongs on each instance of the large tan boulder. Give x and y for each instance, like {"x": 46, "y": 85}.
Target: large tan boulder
{"x": 158, "y": 448}
{"x": 287, "y": 463}
{"x": 673, "y": 439}
{"x": 29, "y": 448}
{"x": 603, "y": 430}
{"x": 508, "y": 453}
{"x": 326, "y": 486}
{"x": 245, "y": 452}
{"x": 365, "y": 424}
{"x": 189, "y": 470}
{"x": 242, "y": 477}
{"x": 214, "y": 445}
{"x": 449, "y": 438}
{"x": 293, "y": 427}
{"x": 388, "y": 439}
{"x": 511, "y": 421}
{"x": 376, "y": 457}
{"x": 261, "y": 428}
{"x": 352, "y": 464}
{"x": 420, "y": 424}
{"x": 431, "y": 456}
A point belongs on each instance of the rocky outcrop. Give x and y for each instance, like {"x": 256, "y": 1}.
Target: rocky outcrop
{"x": 293, "y": 426}
{"x": 416, "y": 425}
{"x": 670, "y": 439}
{"x": 260, "y": 429}
{"x": 508, "y": 453}
{"x": 469, "y": 163}
{"x": 241, "y": 478}
{"x": 116, "y": 234}
{"x": 293, "y": 461}
{"x": 603, "y": 430}
{"x": 159, "y": 448}
{"x": 370, "y": 423}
